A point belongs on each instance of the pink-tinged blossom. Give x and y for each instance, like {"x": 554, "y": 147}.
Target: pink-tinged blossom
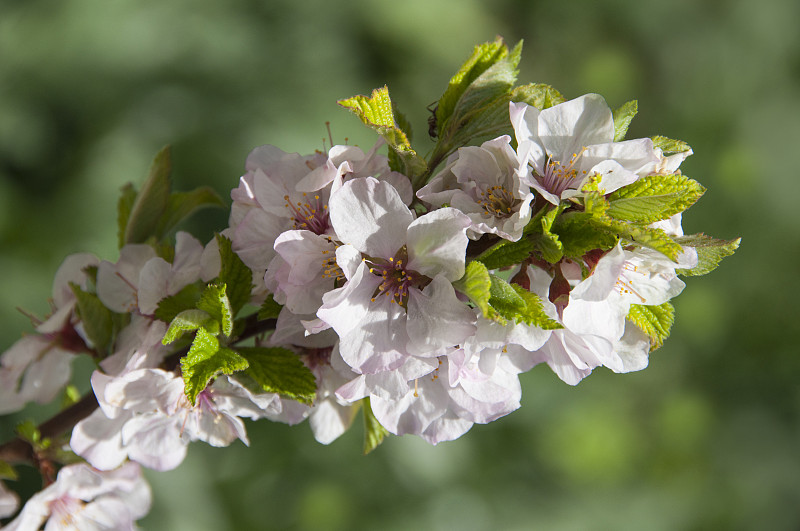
{"x": 145, "y": 416}
{"x": 398, "y": 300}
{"x": 571, "y": 142}
{"x": 9, "y": 501}
{"x": 484, "y": 183}
{"x": 38, "y": 366}
{"x": 85, "y": 499}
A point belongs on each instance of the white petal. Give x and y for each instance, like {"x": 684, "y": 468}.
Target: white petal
{"x": 567, "y": 128}
{"x": 437, "y": 243}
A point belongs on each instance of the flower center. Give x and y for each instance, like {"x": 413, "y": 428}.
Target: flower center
{"x": 497, "y": 201}
{"x": 624, "y": 284}
{"x": 309, "y": 214}
{"x": 330, "y": 268}
{"x": 65, "y": 508}
{"x": 397, "y": 279}
{"x": 559, "y": 176}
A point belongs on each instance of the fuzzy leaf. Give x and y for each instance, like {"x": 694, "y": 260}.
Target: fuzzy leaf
{"x": 97, "y": 320}
{"x": 710, "y": 251}
{"x": 215, "y": 301}
{"x": 578, "y": 235}
{"x": 185, "y": 299}
{"x": 151, "y": 202}
{"x": 505, "y": 298}
{"x": 376, "y": 112}
{"x": 205, "y": 361}
{"x": 278, "y": 370}
{"x": 654, "y": 198}
{"x": 189, "y": 321}
{"x": 537, "y": 95}
{"x": 124, "y": 207}
{"x": 669, "y": 145}
{"x": 236, "y": 276}
{"x": 476, "y": 284}
{"x": 181, "y": 205}
{"x": 546, "y": 242}
{"x": 374, "y": 432}
{"x": 622, "y": 119}
{"x": 483, "y": 57}
{"x": 655, "y": 321}
{"x": 506, "y": 253}
{"x": 534, "y": 313}
{"x": 655, "y": 239}
{"x": 7, "y": 471}
{"x": 270, "y": 309}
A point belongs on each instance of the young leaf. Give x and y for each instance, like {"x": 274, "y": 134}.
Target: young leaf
{"x": 215, "y": 301}
{"x": 710, "y": 251}
{"x": 185, "y": 299}
{"x": 96, "y": 318}
{"x": 476, "y": 284}
{"x": 374, "y": 432}
{"x": 236, "y": 276}
{"x": 655, "y": 239}
{"x": 505, "y": 299}
{"x": 152, "y": 200}
{"x": 654, "y": 198}
{"x": 655, "y": 321}
{"x": 578, "y": 235}
{"x": 546, "y": 242}
{"x": 622, "y": 119}
{"x": 534, "y": 313}
{"x": 181, "y": 205}
{"x": 376, "y": 112}
{"x": 483, "y": 57}
{"x": 537, "y": 95}
{"x": 7, "y": 471}
{"x": 279, "y": 370}
{"x": 189, "y": 321}
{"x": 506, "y": 253}
{"x": 269, "y": 310}
{"x": 205, "y": 361}
{"x": 669, "y": 145}
{"x": 124, "y": 207}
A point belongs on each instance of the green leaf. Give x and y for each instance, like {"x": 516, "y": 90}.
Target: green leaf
{"x": 481, "y": 108}
{"x": 376, "y": 112}
{"x": 622, "y": 119}
{"x": 546, "y": 242}
{"x": 654, "y": 198}
{"x": 207, "y": 360}
{"x": 269, "y": 310}
{"x": 655, "y": 321}
{"x": 505, "y": 298}
{"x": 281, "y": 371}
{"x": 578, "y": 235}
{"x": 124, "y": 207}
{"x": 214, "y": 300}
{"x": 185, "y": 299}
{"x": 537, "y": 95}
{"x": 374, "y": 432}
{"x": 476, "y": 284}
{"x": 669, "y": 145}
{"x": 236, "y": 276}
{"x": 189, "y": 321}
{"x": 7, "y": 471}
{"x": 533, "y": 313}
{"x": 710, "y": 251}
{"x": 28, "y": 431}
{"x": 655, "y": 239}
{"x": 152, "y": 200}
{"x": 506, "y": 253}
{"x": 181, "y": 205}
{"x": 483, "y": 57}
{"x": 96, "y": 318}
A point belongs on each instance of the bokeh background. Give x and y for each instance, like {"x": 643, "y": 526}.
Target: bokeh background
{"x": 706, "y": 438}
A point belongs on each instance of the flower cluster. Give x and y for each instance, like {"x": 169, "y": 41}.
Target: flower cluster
{"x": 415, "y": 290}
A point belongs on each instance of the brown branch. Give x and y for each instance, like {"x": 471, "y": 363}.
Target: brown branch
{"x": 20, "y": 451}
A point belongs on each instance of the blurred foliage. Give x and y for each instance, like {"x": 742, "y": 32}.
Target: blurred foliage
{"x": 706, "y": 438}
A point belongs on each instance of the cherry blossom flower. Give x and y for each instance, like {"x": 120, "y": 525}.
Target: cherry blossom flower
{"x": 484, "y": 183}
{"x": 9, "y": 501}
{"x": 568, "y": 143}
{"x": 398, "y": 300}
{"x": 83, "y": 498}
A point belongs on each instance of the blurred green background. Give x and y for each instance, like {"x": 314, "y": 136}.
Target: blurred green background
{"x": 705, "y": 438}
